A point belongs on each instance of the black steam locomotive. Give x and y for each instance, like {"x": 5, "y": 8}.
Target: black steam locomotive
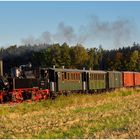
{"x": 24, "y": 83}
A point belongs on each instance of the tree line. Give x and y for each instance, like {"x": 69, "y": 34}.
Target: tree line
{"x": 44, "y": 55}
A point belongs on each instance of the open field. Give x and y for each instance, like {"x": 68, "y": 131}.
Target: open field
{"x": 109, "y": 115}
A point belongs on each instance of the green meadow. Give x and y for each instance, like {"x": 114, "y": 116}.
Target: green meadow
{"x": 113, "y": 114}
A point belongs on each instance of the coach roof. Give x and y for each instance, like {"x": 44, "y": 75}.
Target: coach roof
{"x": 76, "y": 70}
{"x": 67, "y": 70}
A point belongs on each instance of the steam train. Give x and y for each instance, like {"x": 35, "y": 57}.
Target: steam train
{"x": 28, "y": 83}
{"x": 24, "y": 83}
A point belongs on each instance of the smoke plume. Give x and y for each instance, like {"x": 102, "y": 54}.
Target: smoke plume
{"x": 116, "y": 32}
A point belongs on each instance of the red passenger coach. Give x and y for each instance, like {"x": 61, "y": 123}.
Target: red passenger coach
{"x": 137, "y": 78}
{"x": 128, "y": 79}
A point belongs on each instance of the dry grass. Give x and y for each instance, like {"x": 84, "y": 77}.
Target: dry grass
{"x": 110, "y": 115}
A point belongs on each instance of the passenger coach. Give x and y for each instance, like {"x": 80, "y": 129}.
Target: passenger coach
{"x": 66, "y": 80}
{"x": 114, "y": 80}
{"x": 96, "y": 80}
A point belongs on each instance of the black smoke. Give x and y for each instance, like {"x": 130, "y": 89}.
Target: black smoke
{"x": 117, "y": 32}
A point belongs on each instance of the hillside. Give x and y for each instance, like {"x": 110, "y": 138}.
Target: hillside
{"x": 109, "y": 115}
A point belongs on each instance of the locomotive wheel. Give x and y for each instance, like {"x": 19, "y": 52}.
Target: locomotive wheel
{"x": 17, "y": 97}
{"x": 1, "y": 99}
{"x": 27, "y": 95}
{"x": 35, "y": 96}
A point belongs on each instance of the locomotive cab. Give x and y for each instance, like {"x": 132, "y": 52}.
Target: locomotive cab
{"x": 3, "y": 83}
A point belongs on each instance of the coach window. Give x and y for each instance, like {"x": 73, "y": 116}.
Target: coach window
{"x": 71, "y": 76}
{"x": 74, "y": 76}
{"x": 65, "y": 75}
{"x": 78, "y": 76}
{"x": 62, "y": 76}
{"x": 95, "y": 77}
{"x": 98, "y": 76}
{"x": 68, "y": 78}
{"x": 92, "y": 76}
{"x": 102, "y": 76}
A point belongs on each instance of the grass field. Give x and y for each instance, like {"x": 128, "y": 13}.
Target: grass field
{"x": 109, "y": 115}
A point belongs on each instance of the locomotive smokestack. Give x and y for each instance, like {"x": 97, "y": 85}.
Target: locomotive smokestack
{"x": 1, "y": 68}
{"x": 84, "y": 68}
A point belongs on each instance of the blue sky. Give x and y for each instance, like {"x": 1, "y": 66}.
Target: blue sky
{"x": 110, "y": 24}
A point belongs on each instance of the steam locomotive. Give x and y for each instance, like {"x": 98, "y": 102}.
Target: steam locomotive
{"x": 24, "y": 83}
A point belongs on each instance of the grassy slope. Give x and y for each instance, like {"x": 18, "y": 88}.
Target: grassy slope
{"x": 110, "y": 115}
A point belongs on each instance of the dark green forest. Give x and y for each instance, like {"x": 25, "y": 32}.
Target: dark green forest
{"x": 78, "y": 56}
